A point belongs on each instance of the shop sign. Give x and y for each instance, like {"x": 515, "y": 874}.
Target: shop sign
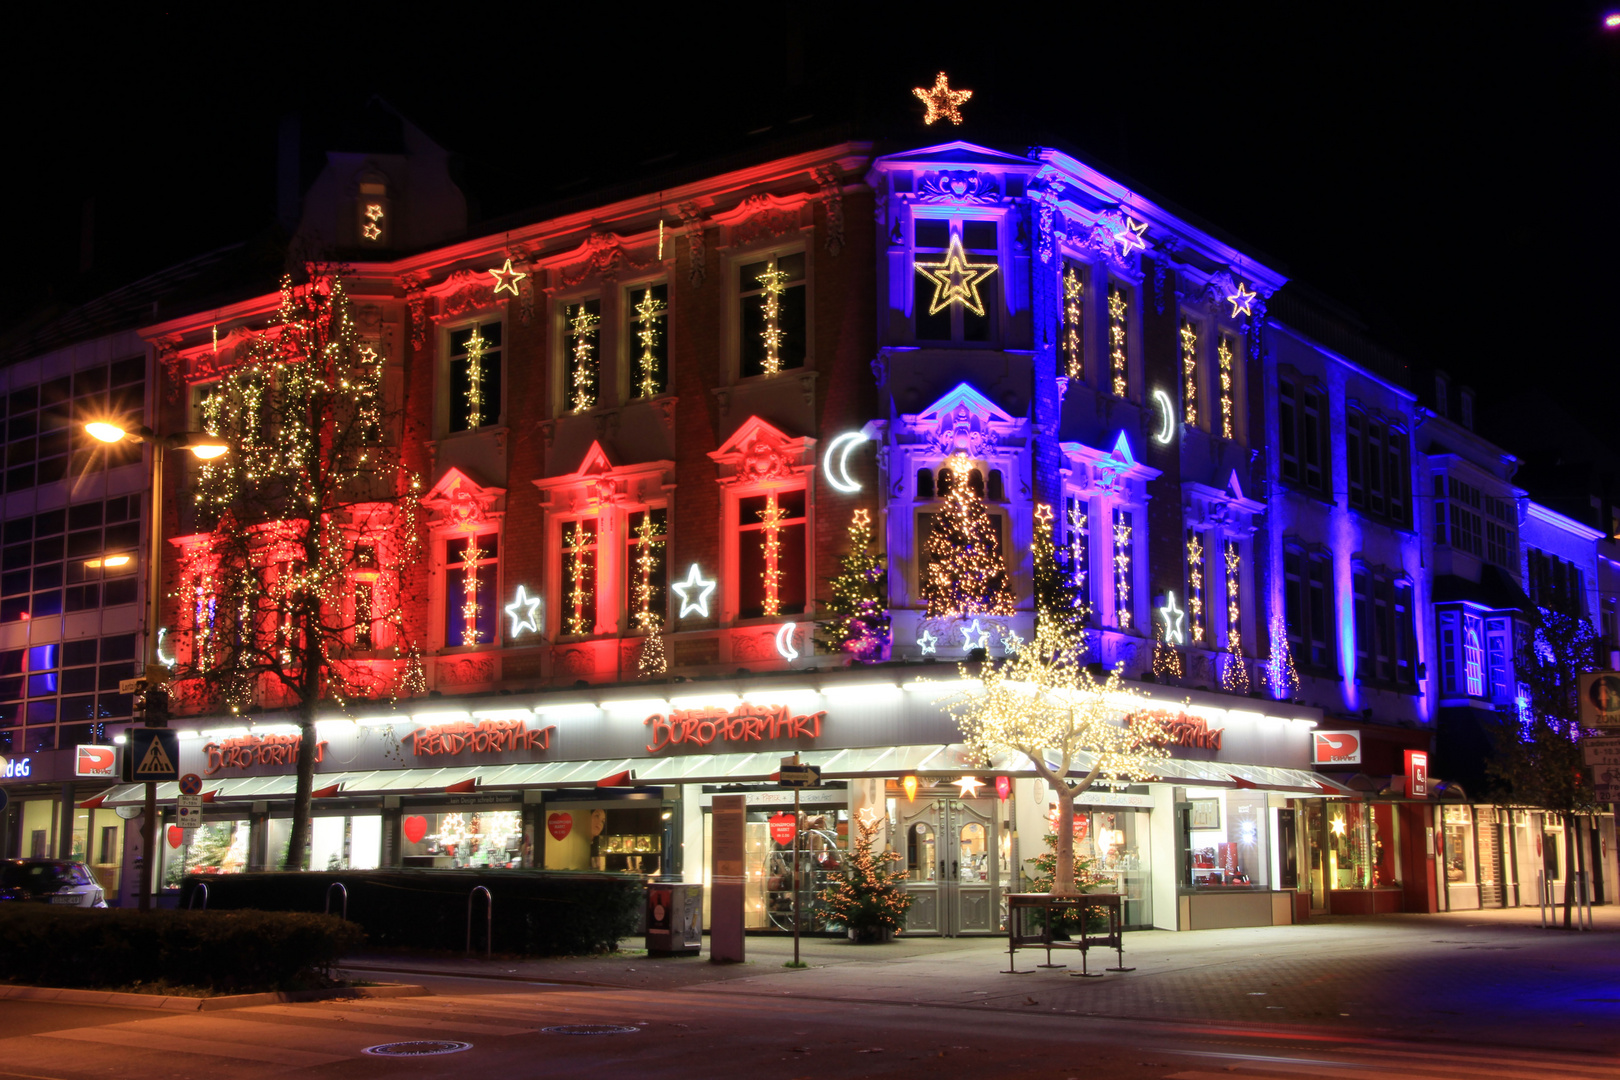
{"x": 782, "y": 829}
{"x": 1604, "y": 751}
{"x": 1417, "y": 774}
{"x": 1114, "y": 798}
{"x": 1336, "y": 747}
{"x": 483, "y": 737}
{"x": 246, "y": 751}
{"x": 560, "y": 824}
{"x": 95, "y": 761}
{"x": 16, "y": 768}
{"x": 1184, "y": 729}
{"x": 745, "y": 723}
{"x": 1600, "y": 699}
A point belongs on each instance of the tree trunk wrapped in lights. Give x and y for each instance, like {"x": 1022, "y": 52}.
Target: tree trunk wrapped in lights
{"x": 860, "y": 626}
{"x": 966, "y": 574}
{"x": 1075, "y": 731}
{"x": 309, "y": 505}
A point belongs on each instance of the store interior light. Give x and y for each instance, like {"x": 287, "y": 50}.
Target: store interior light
{"x": 502, "y": 714}
{"x": 110, "y": 561}
{"x": 120, "y": 739}
{"x": 438, "y": 717}
{"x": 571, "y": 708}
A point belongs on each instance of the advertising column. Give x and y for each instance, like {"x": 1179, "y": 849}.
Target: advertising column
{"x": 726, "y": 876}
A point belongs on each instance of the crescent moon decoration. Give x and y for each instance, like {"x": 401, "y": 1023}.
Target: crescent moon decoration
{"x": 166, "y": 661}
{"x": 1167, "y": 422}
{"x": 835, "y": 463}
{"x": 784, "y": 643}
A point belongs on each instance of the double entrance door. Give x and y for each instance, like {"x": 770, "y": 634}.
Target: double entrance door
{"x": 956, "y": 867}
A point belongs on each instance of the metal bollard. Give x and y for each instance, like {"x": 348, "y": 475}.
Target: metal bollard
{"x": 202, "y": 887}
{"x": 342, "y": 888}
{"x": 489, "y": 919}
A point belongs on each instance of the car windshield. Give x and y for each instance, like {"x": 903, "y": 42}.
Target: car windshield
{"x": 34, "y": 877}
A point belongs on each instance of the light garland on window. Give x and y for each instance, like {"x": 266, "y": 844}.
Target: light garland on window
{"x": 649, "y": 313}
{"x": 1195, "y": 587}
{"x": 1079, "y": 535}
{"x": 1116, "y": 339}
{"x": 582, "y": 325}
{"x": 774, "y": 283}
{"x": 1122, "y": 569}
{"x": 577, "y": 545}
{"x": 470, "y": 555}
{"x": 1189, "y": 372}
{"x": 1228, "y": 406}
{"x": 772, "y": 516}
{"x": 475, "y": 380}
{"x": 1235, "y": 679}
{"x": 649, "y": 545}
{"x": 1073, "y": 313}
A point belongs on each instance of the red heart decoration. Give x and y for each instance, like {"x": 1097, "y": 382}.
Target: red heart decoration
{"x": 415, "y": 828}
{"x": 177, "y": 836}
{"x": 782, "y": 828}
{"x": 560, "y": 825}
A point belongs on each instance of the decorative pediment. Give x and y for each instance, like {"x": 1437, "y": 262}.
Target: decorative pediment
{"x": 461, "y": 292}
{"x": 601, "y": 255}
{"x": 761, "y": 216}
{"x": 758, "y": 453}
{"x": 599, "y": 484}
{"x": 1112, "y": 470}
{"x": 458, "y": 502}
{"x": 963, "y": 419}
{"x": 1228, "y": 507}
{"x": 957, "y": 152}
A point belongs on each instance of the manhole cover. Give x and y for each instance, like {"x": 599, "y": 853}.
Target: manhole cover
{"x": 590, "y": 1029}
{"x": 418, "y": 1048}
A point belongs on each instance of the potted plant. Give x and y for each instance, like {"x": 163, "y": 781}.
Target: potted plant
{"x": 869, "y": 899}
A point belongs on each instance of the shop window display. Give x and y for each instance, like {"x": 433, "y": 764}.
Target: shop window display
{"x": 214, "y": 847}
{"x": 345, "y": 843}
{"x": 98, "y": 840}
{"x": 1113, "y": 848}
{"x": 770, "y": 871}
{"x": 624, "y": 839}
{"x": 456, "y": 839}
{"x": 1459, "y": 856}
{"x": 1226, "y": 838}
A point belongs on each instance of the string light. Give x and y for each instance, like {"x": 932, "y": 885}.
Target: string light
{"x": 1195, "y": 587}
{"x": 1122, "y": 569}
{"x": 1284, "y": 676}
{"x": 866, "y": 896}
{"x": 1172, "y": 617}
{"x": 1116, "y": 338}
{"x": 1189, "y": 372}
{"x": 1079, "y": 546}
{"x": 578, "y": 545}
{"x": 941, "y": 101}
{"x": 650, "y": 623}
{"x": 506, "y": 278}
{"x": 372, "y": 229}
{"x": 1166, "y": 659}
{"x": 774, "y": 282}
{"x": 956, "y": 281}
{"x": 1228, "y": 405}
{"x": 475, "y": 380}
{"x": 860, "y": 622}
{"x": 1073, "y": 313}
{"x": 771, "y": 517}
{"x": 1056, "y": 598}
{"x": 1130, "y": 237}
{"x": 649, "y": 325}
{"x": 524, "y": 611}
{"x": 966, "y": 573}
{"x": 470, "y": 556}
{"x": 582, "y": 324}
{"x": 1234, "y": 609}
{"x": 1242, "y": 301}
{"x": 694, "y": 592}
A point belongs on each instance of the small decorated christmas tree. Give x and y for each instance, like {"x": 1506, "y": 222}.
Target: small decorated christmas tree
{"x": 870, "y": 898}
{"x": 1058, "y": 600}
{"x": 1085, "y": 880}
{"x": 860, "y": 626}
{"x": 1284, "y": 676}
{"x": 1235, "y": 675}
{"x": 966, "y": 574}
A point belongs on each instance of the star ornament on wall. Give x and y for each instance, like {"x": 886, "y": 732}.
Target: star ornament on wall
{"x": 1130, "y": 239}
{"x": 1172, "y": 617}
{"x": 969, "y": 786}
{"x": 524, "y": 611}
{"x": 694, "y": 593}
{"x": 941, "y": 100}
{"x": 927, "y": 642}
{"x": 506, "y": 278}
{"x": 956, "y": 281}
{"x": 975, "y": 636}
{"x": 1242, "y": 301}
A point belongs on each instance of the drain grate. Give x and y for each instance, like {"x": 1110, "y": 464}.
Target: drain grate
{"x": 418, "y": 1048}
{"x": 590, "y": 1029}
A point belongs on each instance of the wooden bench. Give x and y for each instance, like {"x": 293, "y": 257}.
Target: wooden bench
{"x": 1022, "y": 935}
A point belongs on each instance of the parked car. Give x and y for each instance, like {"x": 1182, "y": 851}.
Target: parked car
{"x": 50, "y": 881}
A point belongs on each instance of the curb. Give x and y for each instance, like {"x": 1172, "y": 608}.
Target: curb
{"x": 209, "y": 1004}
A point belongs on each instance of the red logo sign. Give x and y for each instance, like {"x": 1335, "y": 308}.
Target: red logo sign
{"x": 1194, "y": 732}
{"x": 560, "y": 825}
{"x": 414, "y": 827}
{"x": 1417, "y": 773}
{"x": 745, "y": 723}
{"x": 1336, "y": 747}
{"x": 250, "y": 750}
{"x": 96, "y": 761}
{"x": 782, "y": 829}
{"x": 484, "y": 737}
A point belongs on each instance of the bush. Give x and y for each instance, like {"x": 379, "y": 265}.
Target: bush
{"x": 537, "y": 912}
{"x": 239, "y": 951}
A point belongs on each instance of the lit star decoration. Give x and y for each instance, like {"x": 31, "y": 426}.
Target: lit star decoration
{"x": 1011, "y": 642}
{"x": 774, "y": 282}
{"x": 772, "y": 517}
{"x": 1228, "y": 404}
{"x": 1189, "y": 371}
{"x": 506, "y": 278}
{"x": 649, "y": 325}
{"x": 1172, "y": 617}
{"x": 582, "y": 325}
{"x": 1195, "y": 586}
{"x": 524, "y": 611}
{"x": 470, "y": 555}
{"x": 975, "y": 636}
{"x": 1116, "y": 339}
{"x": 1073, "y": 348}
{"x": 956, "y": 281}
{"x": 1242, "y": 301}
{"x": 927, "y": 642}
{"x": 649, "y": 548}
{"x": 942, "y": 102}
{"x": 579, "y": 544}
{"x": 1130, "y": 239}
{"x": 372, "y": 229}
{"x": 475, "y": 380}
{"x": 968, "y": 786}
{"x": 1338, "y": 826}
{"x": 694, "y": 592}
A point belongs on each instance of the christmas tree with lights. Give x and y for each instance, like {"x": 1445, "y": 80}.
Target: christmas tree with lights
{"x": 965, "y": 574}
{"x": 870, "y": 898}
{"x": 860, "y": 626}
{"x": 1058, "y": 601}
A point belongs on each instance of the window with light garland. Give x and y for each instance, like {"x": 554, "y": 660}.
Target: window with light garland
{"x": 771, "y": 554}
{"x": 1074, "y": 321}
{"x": 646, "y": 569}
{"x": 772, "y": 325}
{"x": 646, "y": 332}
{"x": 471, "y": 613}
{"x": 581, "y": 359}
{"x": 1077, "y": 523}
{"x": 475, "y": 377}
{"x": 576, "y": 581}
{"x": 956, "y": 279}
{"x": 984, "y": 570}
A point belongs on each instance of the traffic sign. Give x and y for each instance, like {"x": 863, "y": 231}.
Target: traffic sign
{"x": 1601, "y": 751}
{"x": 188, "y": 811}
{"x": 154, "y": 756}
{"x": 191, "y": 784}
{"x": 799, "y": 776}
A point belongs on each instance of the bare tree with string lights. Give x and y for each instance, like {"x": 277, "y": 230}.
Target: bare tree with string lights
{"x": 290, "y": 594}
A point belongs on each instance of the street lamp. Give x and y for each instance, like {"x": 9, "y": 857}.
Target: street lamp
{"x": 205, "y": 447}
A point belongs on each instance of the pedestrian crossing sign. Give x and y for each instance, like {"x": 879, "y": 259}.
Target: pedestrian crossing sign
{"x": 154, "y": 756}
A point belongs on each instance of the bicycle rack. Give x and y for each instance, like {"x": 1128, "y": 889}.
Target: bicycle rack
{"x": 202, "y": 887}
{"x": 489, "y": 919}
{"x": 344, "y": 889}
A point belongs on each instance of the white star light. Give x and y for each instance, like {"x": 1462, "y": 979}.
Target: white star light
{"x": 524, "y": 611}
{"x": 1172, "y": 617}
{"x": 1130, "y": 237}
{"x": 1011, "y": 642}
{"x": 1242, "y": 301}
{"x": 695, "y": 581}
{"x": 974, "y": 630}
{"x": 969, "y": 786}
{"x": 927, "y": 641}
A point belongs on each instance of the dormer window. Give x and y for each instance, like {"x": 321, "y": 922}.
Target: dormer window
{"x": 957, "y": 279}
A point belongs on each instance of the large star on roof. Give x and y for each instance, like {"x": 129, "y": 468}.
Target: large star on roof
{"x": 942, "y": 101}
{"x": 1242, "y": 301}
{"x": 506, "y": 278}
{"x": 1130, "y": 239}
{"x": 956, "y": 281}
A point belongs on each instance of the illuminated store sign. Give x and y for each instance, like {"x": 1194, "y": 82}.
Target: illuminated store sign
{"x": 1193, "y": 732}
{"x": 246, "y": 751}
{"x": 484, "y": 737}
{"x": 744, "y": 723}
{"x": 16, "y": 768}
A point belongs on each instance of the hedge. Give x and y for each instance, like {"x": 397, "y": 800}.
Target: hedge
{"x": 536, "y": 912}
{"x": 239, "y": 951}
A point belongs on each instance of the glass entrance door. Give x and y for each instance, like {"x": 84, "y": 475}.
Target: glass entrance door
{"x": 955, "y": 866}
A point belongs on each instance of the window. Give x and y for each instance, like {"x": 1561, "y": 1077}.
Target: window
{"x": 647, "y": 569}
{"x": 92, "y": 549}
{"x": 1382, "y": 610}
{"x": 1473, "y": 655}
{"x": 60, "y": 693}
{"x": 1189, "y": 373}
{"x": 1119, "y": 374}
{"x": 577, "y": 581}
{"x": 475, "y": 376}
{"x": 581, "y": 358}
{"x": 1226, "y": 355}
{"x": 646, "y": 312}
{"x": 1355, "y": 448}
{"x": 771, "y": 554}
{"x": 1481, "y": 525}
{"x": 372, "y": 216}
{"x": 1302, "y": 418}
{"x": 958, "y": 287}
{"x": 1123, "y": 568}
{"x": 1499, "y": 672}
{"x": 1466, "y": 409}
{"x": 1406, "y": 635}
{"x": 1308, "y": 604}
{"x": 470, "y": 610}
{"x": 1074, "y": 324}
{"x": 1234, "y": 595}
{"x": 1395, "y": 474}
{"x": 1195, "y": 588}
{"x": 1442, "y": 395}
{"x": 42, "y": 427}
{"x": 1078, "y": 517}
{"x": 1555, "y": 583}
{"x": 365, "y": 581}
{"x": 773, "y": 315}
{"x": 1362, "y": 603}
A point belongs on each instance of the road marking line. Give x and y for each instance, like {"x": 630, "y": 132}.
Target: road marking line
{"x": 1595, "y": 1067}
{"x": 275, "y": 1055}
{"x": 361, "y": 1018}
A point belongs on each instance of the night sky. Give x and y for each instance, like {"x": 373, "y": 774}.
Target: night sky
{"x": 1448, "y": 174}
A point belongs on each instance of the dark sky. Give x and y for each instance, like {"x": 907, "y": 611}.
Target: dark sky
{"x": 1448, "y": 171}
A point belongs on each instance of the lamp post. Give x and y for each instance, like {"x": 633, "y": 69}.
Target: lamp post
{"x": 206, "y": 447}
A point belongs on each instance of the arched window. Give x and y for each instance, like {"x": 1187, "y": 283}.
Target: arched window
{"x": 976, "y": 482}
{"x": 925, "y": 484}
{"x": 998, "y": 487}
